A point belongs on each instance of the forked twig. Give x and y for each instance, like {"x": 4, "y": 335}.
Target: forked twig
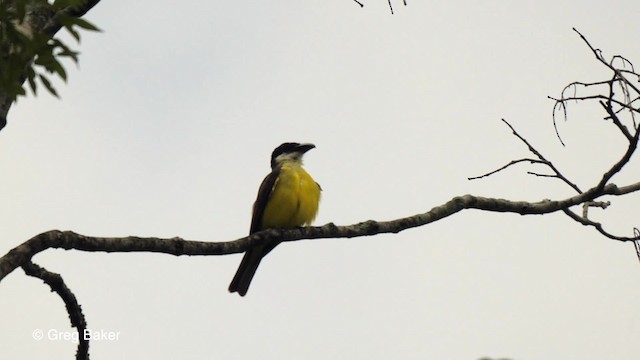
{"x": 541, "y": 160}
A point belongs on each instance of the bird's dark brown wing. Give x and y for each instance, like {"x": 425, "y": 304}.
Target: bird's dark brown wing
{"x": 254, "y": 255}
{"x": 261, "y": 201}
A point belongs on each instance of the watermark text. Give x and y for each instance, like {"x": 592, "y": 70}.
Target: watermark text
{"x": 74, "y": 337}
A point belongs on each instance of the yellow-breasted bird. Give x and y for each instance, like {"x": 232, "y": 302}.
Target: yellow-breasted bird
{"x": 288, "y": 197}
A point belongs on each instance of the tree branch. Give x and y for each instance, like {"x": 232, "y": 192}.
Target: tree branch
{"x": 636, "y": 243}
{"x": 57, "y": 285}
{"x": 53, "y": 25}
{"x": 176, "y": 246}
{"x": 598, "y": 226}
{"x": 613, "y": 107}
{"x": 633, "y": 143}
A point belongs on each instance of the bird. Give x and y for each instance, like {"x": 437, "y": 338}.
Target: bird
{"x": 287, "y": 198}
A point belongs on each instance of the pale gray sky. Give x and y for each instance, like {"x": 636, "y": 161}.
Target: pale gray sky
{"x": 166, "y": 128}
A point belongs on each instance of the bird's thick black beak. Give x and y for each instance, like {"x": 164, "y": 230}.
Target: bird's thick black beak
{"x": 303, "y": 148}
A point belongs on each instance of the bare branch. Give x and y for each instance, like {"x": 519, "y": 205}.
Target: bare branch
{"x": 57, "y": 285}
{"x": 513, "y": 162}
{"x": 624, "y": 106}
{"x": 619, "y": 66}
{"x": 542, "y": 175}
{"x": 177, "y": 246}
{"x": 621, "y": 163}
{"x": 614, "y": 118}
{"x": 561, "y": 105}
{"x": 636, "y": 243}
{"x": 601, "y": 204}
{"x": 404, "y": 2}
{"x": 598, "y": 54}
{"x": 606, "y": 102}
{"x": 614, "y": 108}
{"x": 541, "y": 160}
{"x": 597, "y": 226}
{"x": 609, "y": 105}
{"x": 623, "y": 60}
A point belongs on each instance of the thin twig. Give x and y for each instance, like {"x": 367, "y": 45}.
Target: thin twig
{"x": 636, "y": 233}
{"x": 600, "y": 97}
{"x": 513, "y": 162}
{"x": 544, "y": 160}
{"x": 598, "y": 54}
{"x": 616, "y": 120}
{"x": 542, "y": 175}
{"x": 561, "y": 105}
{"x": 597, "y": 226}
{"x": 618, "y": 79}
{"x": 621, "y": 163}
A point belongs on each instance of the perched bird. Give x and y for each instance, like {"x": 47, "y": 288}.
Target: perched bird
{"x": 288, "y": 197}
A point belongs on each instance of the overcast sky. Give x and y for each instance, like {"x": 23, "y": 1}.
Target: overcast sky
{"x": 166, "y": 127}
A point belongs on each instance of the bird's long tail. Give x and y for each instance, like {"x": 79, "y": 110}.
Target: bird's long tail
{"x": 246, "y": 270}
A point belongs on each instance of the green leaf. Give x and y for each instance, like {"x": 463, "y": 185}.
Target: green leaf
{"x": 85, "y": 24}
{"x": 59, "y": 69}
{"x": 70, "y": 54}
{"x": 48, "y": 85}
{"x": 44, "y": 59}
{"x": 17, "y": 89}
{"x": 31, "y": 77}
{"x": 62, "y": 50}
{"x": 75, "y": 34}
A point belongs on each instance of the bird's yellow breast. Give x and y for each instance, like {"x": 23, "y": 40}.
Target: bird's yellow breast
{"x": 294, "y": 199}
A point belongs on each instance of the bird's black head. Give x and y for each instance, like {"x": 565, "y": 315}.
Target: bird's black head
{"x": 289, "y": 151}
